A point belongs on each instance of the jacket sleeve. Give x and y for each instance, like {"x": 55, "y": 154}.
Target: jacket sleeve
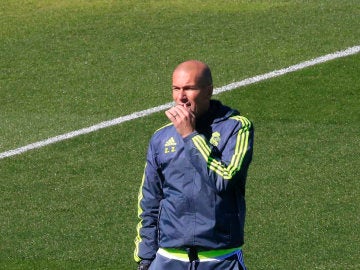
{"x": 232, "y": 163}
{"x": 149, "y": 197}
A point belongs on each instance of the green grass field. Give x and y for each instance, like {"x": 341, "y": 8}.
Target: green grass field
{"x": 66, "y": 65}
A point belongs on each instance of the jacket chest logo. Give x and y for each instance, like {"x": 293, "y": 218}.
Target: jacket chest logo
{"x": 215, "y": 138}
{"x": 170, "y": 146}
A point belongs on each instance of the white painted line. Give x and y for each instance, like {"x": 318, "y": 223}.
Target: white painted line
{"x": 228, "y": 87}
{"x": 86, "y": 130}
{"x": 302, "y": 65}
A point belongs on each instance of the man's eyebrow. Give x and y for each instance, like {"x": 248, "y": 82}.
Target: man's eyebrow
{"x": 186, "y": 86}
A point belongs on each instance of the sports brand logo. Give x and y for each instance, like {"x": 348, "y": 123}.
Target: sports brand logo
{"x": 170, "y": 146}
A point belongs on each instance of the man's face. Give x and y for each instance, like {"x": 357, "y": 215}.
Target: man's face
{"x": 186, "y": 92}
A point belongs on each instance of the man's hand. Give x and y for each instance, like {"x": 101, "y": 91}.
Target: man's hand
{"x": 182, "y": 118}
{"x": 144, "y": 265}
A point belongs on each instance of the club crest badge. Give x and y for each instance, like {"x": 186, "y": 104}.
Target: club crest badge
{"x": 215, "y": 138}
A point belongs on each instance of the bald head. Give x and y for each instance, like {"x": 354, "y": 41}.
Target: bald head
{"x": 199, "y": 69}
{"x": 192, "y": 86}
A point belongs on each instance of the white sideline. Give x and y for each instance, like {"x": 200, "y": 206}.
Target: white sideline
{"x": 135, "y": 115}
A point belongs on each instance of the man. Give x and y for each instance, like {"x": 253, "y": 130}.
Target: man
{"x": 192, "y": 195}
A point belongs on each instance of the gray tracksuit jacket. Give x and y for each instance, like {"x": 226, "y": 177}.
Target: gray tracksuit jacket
{"x": 193, "y": 189}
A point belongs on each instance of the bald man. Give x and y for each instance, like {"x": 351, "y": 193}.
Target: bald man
{"x": 192, "y": 195}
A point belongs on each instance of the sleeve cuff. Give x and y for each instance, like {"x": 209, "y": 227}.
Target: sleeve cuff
{"x": 190, "y": 136}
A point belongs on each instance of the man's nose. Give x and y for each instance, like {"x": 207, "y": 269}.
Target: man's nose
{"x": 182, "y": 94}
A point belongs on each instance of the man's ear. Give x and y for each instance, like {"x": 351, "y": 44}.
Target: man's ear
{"x": 210, "y": 90}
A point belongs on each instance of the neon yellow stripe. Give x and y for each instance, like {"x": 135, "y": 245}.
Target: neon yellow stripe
{"x": 234, "y": 159}
{"x": 216, "y": 253}
{"x": 241, "y": 147}
{"x": 139, "y": 225}
{"x": 197, "y": 141}
{"x": 244, "y": 134}
{"x": 203, "y": 255}
{"x": 181, "y": 254}
{"x": 239, "y": 142}
{"x": 218, "y": 167}
{"x": 169, "y": 124}
{"x": 239, "y": 151}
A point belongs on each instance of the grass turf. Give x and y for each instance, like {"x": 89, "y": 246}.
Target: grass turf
{"x": 72, "y": 205}
{"x": 70, "y": 64}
